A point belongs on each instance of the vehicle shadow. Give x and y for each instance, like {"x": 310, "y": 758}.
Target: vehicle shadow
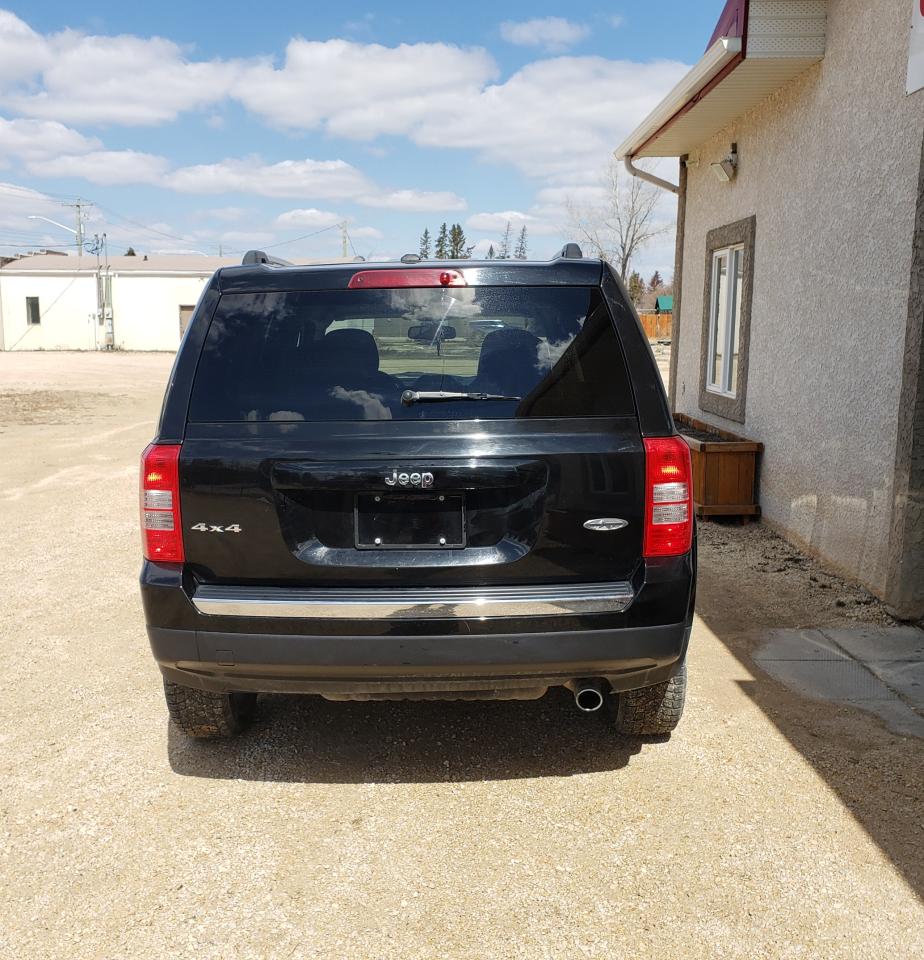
{"x": 307, "y": 739}
{"x": 876, "y": 774}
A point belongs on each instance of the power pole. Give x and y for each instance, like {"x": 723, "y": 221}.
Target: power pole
{"x": 344, "y": 240}
{"x": 81, "y": 217}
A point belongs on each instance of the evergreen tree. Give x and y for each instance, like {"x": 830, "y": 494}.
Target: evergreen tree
{"x": 503, "y": 251}
{"x": 442, "y": 243}
{"x": 491, "y": 253}
{"x": 425, "y": 245}
{"x": 656, "y": 282}
{"x": 457, "y": 243}
{"x": 130, "y": 252}
{"x": 636, "y": 286}
{"x": 520, "y": 252}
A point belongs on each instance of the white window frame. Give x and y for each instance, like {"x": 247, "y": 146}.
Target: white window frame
{"x": 732, "y": 319}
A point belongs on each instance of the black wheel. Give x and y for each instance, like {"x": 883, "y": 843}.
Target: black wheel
{"x": 652, "y": 710}
{"x": 203, "y": 714}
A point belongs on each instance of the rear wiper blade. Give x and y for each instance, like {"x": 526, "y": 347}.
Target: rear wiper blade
{"x": 441, "y": 396}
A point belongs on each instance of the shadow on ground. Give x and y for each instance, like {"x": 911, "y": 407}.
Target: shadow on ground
{"x": 310, "y": 740}
{"x": 878, "y": 775}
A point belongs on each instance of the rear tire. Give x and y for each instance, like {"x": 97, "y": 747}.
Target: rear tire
{"x": 206, "y": 715}
{"x": 652, "y": 711}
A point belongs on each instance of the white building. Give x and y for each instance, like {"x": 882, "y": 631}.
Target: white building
{"x": 54, "y": 302}
{"x": 799, "y": 279}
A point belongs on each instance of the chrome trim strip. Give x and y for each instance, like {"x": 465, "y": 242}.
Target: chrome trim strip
{"x": 429, "y": 603}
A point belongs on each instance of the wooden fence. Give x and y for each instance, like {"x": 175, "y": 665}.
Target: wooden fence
{"x": 657, "y": 326}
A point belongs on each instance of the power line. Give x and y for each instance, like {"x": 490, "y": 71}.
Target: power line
{"x": 282, "y": 243}
{"x": 142, "y": 226}
{"x": 28, "y": 192}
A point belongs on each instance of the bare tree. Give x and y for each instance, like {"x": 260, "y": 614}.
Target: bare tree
{"x": 618, "y": 227}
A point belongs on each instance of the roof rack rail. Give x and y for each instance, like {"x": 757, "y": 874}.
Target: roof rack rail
{"x": 570, "y": 251}
{"x": 258, "y": 256}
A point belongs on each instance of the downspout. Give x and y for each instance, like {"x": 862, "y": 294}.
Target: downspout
{"x": 649, "y": 177}
{"x": 681, "y": 193}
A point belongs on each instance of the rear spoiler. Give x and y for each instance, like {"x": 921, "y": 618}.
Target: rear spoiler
{"x": 258, "y": 256}
{"x": 570, "y": 251}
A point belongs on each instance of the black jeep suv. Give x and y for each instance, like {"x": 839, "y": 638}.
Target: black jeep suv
{"x": 453, "y": 480}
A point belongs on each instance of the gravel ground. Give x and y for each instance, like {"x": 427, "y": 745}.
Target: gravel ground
{"x": 768, "y": 826}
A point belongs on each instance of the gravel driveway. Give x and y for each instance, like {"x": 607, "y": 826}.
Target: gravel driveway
{"x": 768, "y": 826}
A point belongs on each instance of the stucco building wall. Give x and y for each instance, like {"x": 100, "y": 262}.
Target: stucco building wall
{"x": 829, "y": 166}
{"x": 67, "y": 304}
{"x": 145, "y": 310}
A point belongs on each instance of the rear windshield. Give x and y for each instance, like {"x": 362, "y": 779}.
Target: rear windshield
{"x": 389, "y": 354}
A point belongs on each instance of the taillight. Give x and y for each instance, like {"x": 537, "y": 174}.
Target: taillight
{"x": 161, "y": 533}
{"x": 668, "y": 497}
{"x": 417, "y": 277}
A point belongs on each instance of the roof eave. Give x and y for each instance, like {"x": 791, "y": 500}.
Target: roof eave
{"x": 721, "y": 56}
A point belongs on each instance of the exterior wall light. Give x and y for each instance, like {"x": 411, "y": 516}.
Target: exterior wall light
{"x": 726, "y": 169}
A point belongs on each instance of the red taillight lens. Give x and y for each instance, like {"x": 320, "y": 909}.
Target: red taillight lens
{"x": 382, "y": 279}
{"x": 161, "y": 532}
{"x": 668, "y": 497}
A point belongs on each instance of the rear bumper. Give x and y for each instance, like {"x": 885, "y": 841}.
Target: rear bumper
{"x": 339, "y": 665}
{"x": 632, "y": 642}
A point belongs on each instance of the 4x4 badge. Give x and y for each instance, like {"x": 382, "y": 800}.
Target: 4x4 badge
{"x": 421, "y": 479}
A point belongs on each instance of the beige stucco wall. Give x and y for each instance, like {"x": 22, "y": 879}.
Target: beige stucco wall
{"x": 829, "y": 166}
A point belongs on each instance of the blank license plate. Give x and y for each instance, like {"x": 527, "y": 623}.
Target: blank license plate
{"x": 386, "y": 522}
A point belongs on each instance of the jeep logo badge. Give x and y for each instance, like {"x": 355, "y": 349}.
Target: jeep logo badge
{"x": 416, "y": 479}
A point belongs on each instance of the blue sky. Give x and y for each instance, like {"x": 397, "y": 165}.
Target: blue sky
{"x": 191, "y": 129}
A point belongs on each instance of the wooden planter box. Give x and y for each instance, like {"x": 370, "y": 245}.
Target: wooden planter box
{"x": 724, "y": 471}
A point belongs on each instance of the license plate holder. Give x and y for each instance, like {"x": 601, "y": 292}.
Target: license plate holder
{"x": 409, "y": 522}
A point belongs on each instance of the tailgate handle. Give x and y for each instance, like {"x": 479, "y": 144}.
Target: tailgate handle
{"x": 470, "y": 474}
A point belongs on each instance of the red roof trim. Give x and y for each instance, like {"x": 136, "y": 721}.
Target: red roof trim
{"x": 733, "y": 22}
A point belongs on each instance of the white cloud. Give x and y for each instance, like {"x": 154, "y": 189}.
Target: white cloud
{"x": 329, "y": 179}
{"x": 414, "y": 201}
{"x": 616, "y": 20}
{"x": 361, "y": 90}
{"x": 104, "y": 166}
{"x": 226, "y": 214}
{"x": 309, "y": 217}
{"x": 23, "y": 52}
{"x": 365, "y": 233}
{"x": 497, "y": 222}
{"x": 39, "y": 139}
{"x": 554, "y": 34}
{"x": 557, "y": 119}
{"x": 18, "y": 203}
{"x": 104, "y": 79}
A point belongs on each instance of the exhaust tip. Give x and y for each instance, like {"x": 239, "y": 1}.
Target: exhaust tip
{"x": 588, "y": 696}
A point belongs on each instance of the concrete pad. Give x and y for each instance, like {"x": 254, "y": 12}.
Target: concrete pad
{"x": 816, "y": 664}
{"x": 845, "y": 681}
{"x": 799, "y": 645}
{"x": 905, "y": 677}
{"x": 870, "y": 642}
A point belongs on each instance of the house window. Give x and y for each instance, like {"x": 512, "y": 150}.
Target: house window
{"x": 33, "y": 314}
{"x": 727, "y": 319}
